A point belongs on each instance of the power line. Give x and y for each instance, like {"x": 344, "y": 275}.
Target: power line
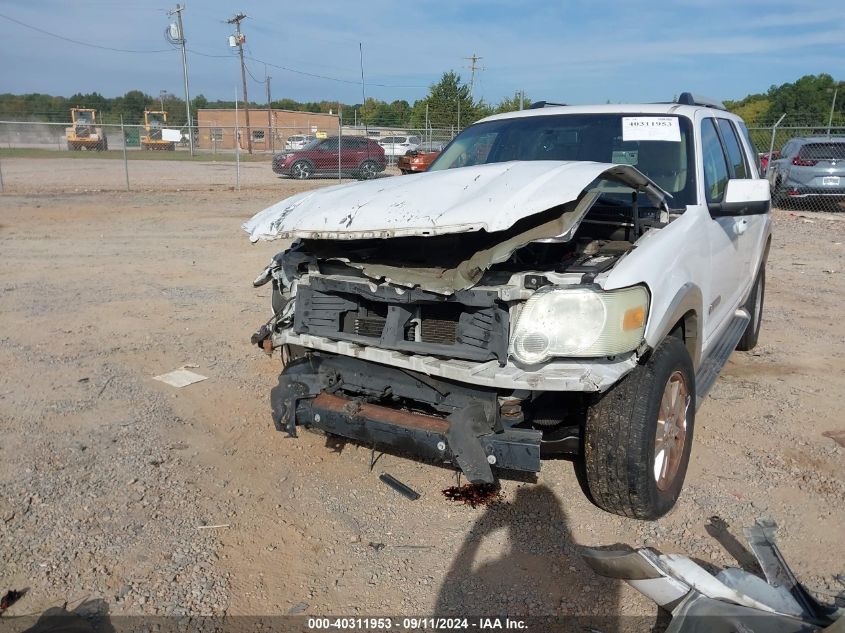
{"x": 195, "y": 52}
{"x": 72, "y": 41}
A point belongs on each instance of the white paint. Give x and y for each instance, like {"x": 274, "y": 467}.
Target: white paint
{"x": 491, "y": 197}
{"x": 747, "y": 190}
{"x": 651, "y": 128}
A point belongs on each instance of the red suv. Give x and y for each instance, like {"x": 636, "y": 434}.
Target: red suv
{"x": 359, "y": 156}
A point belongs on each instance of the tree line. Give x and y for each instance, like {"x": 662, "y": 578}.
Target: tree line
{"x": 448, "y": 104}
{"x": 806, "y": 101}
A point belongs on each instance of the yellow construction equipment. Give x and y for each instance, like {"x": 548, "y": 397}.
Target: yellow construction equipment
{"x": 84, "y": 132}
{"x": 155, "y": 121}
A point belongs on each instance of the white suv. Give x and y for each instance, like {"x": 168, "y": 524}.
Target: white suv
{"x": 298, "y": 141}
{"x": 561, "y": 280}
{"x": 395, "y": 146}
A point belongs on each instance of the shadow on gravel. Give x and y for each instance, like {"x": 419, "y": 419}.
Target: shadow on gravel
{"x": 91, "y": 616}
{"x": 540, "y": 574}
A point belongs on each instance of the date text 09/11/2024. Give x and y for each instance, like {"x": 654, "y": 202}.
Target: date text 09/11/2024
{"x": 415, "y": 624}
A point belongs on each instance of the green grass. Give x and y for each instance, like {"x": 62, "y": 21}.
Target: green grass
{"x": 133, "y": 154}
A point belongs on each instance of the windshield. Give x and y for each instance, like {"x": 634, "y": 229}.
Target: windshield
{"x": 155, "y": 120}
{"x": 312, "y": 143}
{"x": 84, "y": 117}
{"x": 659, "y": 146}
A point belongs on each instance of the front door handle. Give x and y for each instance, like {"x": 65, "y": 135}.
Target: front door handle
{"x": 741, "y": 226}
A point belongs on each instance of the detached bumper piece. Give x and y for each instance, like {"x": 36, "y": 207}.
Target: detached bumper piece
{"x": 732, "y": 600}
{"x": 408, "y": 412}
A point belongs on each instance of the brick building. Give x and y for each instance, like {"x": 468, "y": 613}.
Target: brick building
{"x": 217, "y": 127}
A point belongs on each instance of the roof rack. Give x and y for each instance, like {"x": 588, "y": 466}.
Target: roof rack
{"x": 687, "y": 98}
{"x": 544, "y": 104}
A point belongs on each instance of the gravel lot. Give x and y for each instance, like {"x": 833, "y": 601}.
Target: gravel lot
{"x": 112, "y": 484}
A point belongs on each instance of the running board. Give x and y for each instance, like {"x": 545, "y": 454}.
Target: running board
{"x": 710, "y": 367}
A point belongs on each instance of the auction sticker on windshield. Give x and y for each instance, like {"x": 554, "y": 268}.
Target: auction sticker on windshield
{"x": 651, "y": 128}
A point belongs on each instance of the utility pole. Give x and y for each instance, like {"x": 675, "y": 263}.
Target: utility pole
{"x": 239, "y": 39}
{"x": 181, "y": 39}
{"x": 267, "y": 79}
{"x": 473, "y": 61}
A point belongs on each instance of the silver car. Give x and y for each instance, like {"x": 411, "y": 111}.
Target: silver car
{"x": 809, "y": 167}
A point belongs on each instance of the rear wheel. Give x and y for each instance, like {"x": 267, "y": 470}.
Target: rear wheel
{"x": 301, "y": 170}
{"x": 778, "y": 195}
{"x": 368, "y": 169}
{"x": 638, "y": 436}
{"x": 754, "y": 306}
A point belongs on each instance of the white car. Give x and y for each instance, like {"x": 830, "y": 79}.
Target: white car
{"x": 298, "y": 141}
{"x": 561, "y": 280}
{"x": 395, "y": 146}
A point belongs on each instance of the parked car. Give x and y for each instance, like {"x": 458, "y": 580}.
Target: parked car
{"x": 809, "y": 167}
{"x": 562, "y": 280}
{"x": 765, "y": 159}
{"x": 419, "y": 159}
{"x": 359, "y": 157}
{"x": 298, "y": 141}
{"x": 395, "y": 146}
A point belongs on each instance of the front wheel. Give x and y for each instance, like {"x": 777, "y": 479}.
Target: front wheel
{"x": 778, "y": 195}
{"x": 368, "y": 169}
{"x": 301, "y": 170}
{"x": 638, "y": 436}
{"x": 754, "y": 306}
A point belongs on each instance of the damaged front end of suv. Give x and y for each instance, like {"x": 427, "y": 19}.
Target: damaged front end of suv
{"x": 563, "y": 280}
{"x": 459, "y": 319}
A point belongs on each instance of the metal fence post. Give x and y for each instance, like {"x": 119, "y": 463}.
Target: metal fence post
{"x": 339, "y": 140}
{"x": 237, "y": 145}
{"x": 1, "y": 177}
{"x": 125, "y": 162}
{"x": 772, "y": 143}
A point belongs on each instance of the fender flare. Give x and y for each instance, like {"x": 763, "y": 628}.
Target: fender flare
{"x": 687, "y": 305}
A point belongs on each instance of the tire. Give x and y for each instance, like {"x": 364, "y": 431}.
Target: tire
{"x": 754, "y": 306}
{"x": 368, "y": 170}
{"x": 621, "y": 458}
{"x": 778, "y": 198}
{"x": 301, "y": 170}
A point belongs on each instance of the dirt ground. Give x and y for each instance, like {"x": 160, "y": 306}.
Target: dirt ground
{"x": 156, "y": 500}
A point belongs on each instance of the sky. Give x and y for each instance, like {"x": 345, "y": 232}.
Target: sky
{"x": 573, "y": 51}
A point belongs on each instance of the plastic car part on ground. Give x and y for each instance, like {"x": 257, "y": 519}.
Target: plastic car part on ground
{"x": 732, "y": 600}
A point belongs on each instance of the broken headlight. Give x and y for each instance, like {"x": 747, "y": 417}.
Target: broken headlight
{"x": 579, "y": 322}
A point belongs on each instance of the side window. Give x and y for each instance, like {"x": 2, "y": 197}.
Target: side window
{"x": 715, "y": 166}
{"x": 735, "y": 153}
{"x": 329, "y": 145}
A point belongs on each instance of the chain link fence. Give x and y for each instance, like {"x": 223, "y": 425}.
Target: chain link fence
{"x": 122, "y": 156}
{"x": 804, "y": 161}
{"x": 802, "y": 158}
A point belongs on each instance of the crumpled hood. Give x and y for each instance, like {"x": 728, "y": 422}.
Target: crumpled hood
{"x": 491, "y": 197}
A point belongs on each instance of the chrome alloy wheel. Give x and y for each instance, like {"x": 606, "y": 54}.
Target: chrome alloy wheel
{"x": 671, "y": 436}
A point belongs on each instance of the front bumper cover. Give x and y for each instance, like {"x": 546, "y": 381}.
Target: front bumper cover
{"x": 582, "y": 375}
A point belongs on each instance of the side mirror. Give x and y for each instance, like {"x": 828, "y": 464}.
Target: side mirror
{"x": 743, "y": 196}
